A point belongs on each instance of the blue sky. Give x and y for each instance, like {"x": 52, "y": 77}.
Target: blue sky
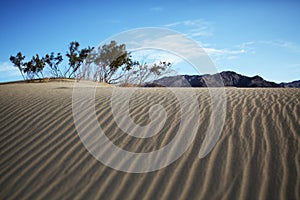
{"x": 249, "y": 37}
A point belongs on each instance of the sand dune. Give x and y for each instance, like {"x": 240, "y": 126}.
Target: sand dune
{"x": 43, "y": 157}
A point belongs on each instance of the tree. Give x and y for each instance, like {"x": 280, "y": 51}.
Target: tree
{"x": 142, "y": 73}
{"x": 18, "y": 62}
{"x": 53, "y": 63}
{"x": 111, "y": 61}
{"x": 76, "y": 57}
{"x": 34, "y": 67}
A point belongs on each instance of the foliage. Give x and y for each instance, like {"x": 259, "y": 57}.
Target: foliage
{"x": 76, "y": 57}
{"x": 53, "y": 63}
{"x": 18, "y": 62}
{"x": 34, "y": 67}
{"x": 110, "y": 63}
{"x": 142, "y": 73}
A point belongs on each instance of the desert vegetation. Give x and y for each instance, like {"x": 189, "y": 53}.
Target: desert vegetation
{"x": 110, "y": 63}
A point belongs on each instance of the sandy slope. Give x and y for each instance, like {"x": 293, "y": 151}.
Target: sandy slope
{"x": 42, "y": 156}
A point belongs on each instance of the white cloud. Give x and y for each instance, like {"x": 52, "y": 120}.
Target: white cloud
{"x": 213, "y": 51}
{"x": 224, "y": 54}
{"x": 171, "y": 47}
{"x": 6, "y": 67}
{"x": 168, "y": 44}
{"x": 247, "y": 46}
{"x": 8, "y": 71}
{"x": 154, "y": 56}
{"x": 174, "y": 47}
{"x": 199, "y": 28}
{"x": 175, "y": 44}
{"x": 191, "y": 51}
{"x": 193, "y": 28}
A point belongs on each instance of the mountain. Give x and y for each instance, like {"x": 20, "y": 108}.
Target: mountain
{"x": 230, "y": 79}
{"x": 294, "y": 84}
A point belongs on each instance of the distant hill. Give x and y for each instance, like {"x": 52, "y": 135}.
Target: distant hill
{"x": 230, "y": 79}
{"x": 294, "y": 84}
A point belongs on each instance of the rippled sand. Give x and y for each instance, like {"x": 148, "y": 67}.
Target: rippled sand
{"x": 42, "y": 156}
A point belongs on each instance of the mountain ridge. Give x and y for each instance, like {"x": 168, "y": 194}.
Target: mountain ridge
{"x": 229, "y": 78}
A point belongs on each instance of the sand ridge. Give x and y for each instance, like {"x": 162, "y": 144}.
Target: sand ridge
{"x": 42, "y": 156}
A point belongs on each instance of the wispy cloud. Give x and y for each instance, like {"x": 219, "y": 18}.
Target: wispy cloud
{"x": 247, "y": 46}
{"x": 182, "y": 47}
{"x": 282, "y": 44}
{"x": 218, "y": 54}
{"x": 6, "y": 67}
{"x": 154, "y": 56}
{"x": 193, "y": 28}
{"x": 252, "y": 46}
{"x": 8, "y": 71}
{"x": 177, "y": 48}
{"x": 214, "y": 51}
{"x": 156, "y": 9}
{"x": 198, "y": 28}
{"x": 175, "y": 44}
{"x": 168, "y": 42}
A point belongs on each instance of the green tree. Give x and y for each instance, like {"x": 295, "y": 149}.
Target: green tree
{"x": 76, "y": 57}
{"x": 111, "y": 61}
{"x": 53, "y": 62}
{"x": 34, "y": 67}
{"x": 18, "y": 62}
{"x": 142, "y": 73}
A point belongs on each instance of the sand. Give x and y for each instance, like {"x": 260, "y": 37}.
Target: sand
{"x": 42, "y": 157}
